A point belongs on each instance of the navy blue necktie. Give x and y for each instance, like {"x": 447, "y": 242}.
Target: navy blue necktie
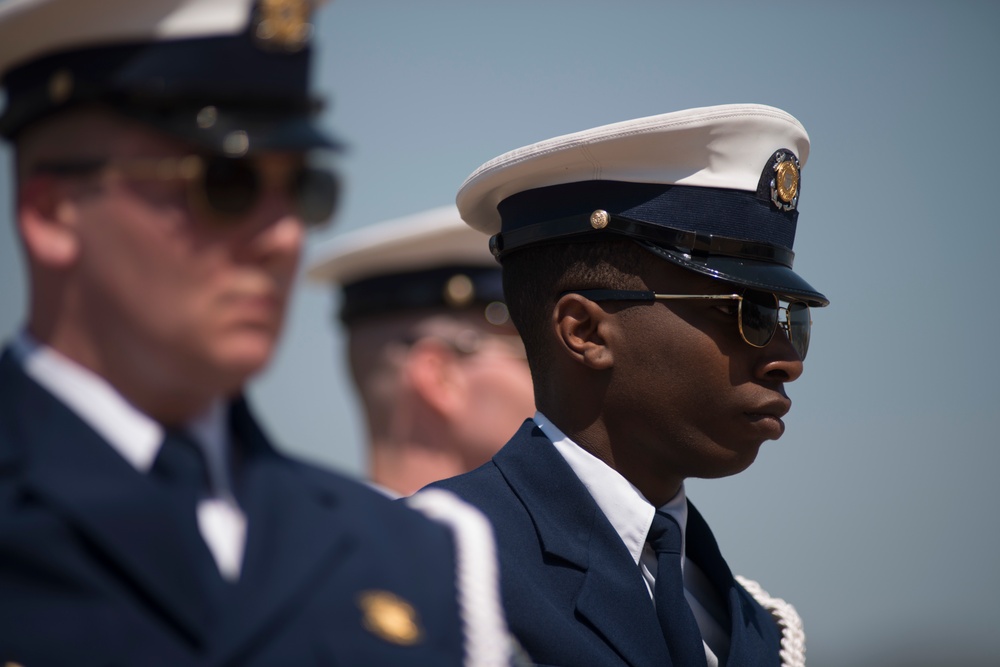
{"x": 181, "y": 464}
{"x": 679, "y": 627}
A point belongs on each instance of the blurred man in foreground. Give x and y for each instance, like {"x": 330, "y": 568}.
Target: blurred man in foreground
{"x": 435, "y": 359}
{"x": 165, "y": 179}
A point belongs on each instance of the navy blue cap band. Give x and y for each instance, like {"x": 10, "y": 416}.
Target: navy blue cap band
{"x": 166, "y": 79}
{"x": 719, "y": 212}
{"x": 413, "y": 290}
{"x": 691, "y": 243}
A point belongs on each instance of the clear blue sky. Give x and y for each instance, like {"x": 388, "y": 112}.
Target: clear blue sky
{"x": 876, "y": 512}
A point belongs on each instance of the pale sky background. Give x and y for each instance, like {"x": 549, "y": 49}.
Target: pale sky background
{"x": 875, "y": 514}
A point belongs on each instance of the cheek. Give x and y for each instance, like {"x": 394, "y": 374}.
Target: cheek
{"x": 143, "y": 269}
{"x": 129, "y": 254}
{"x": 674, "y": 382}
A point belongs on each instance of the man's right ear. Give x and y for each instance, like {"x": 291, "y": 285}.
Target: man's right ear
{"x": 582, "y": 329}
{"x": 46, "y": 218}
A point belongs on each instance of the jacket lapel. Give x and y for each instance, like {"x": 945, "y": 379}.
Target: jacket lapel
{"x": 119, "y": 512}
{"x": 612, "y": 595}
{"x": 754, "y": 638}
{"x": 295, "y": 529}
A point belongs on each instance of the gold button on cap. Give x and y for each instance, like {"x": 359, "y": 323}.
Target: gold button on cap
{"x": 599, "y": 219}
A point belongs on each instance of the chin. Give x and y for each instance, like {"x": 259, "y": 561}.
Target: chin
{"x": 237, "y": 361}
{"x": 734, "y": 461}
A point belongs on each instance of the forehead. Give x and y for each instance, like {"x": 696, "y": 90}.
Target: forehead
{"x": 90, "y": 130}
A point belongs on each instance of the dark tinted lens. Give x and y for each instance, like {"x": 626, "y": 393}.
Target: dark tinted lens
{"x": 316, "y": 194}
{"x": 758, "y": 317}
{"x": 799, "y": 327}
{"x": 230, "y": 186}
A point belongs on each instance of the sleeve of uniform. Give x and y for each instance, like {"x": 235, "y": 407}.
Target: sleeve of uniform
{"x": 488, "y": 642}
{"x": 793, "y": 636}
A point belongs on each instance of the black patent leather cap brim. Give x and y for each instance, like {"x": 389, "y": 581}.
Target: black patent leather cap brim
{"x": 765, "y": 276}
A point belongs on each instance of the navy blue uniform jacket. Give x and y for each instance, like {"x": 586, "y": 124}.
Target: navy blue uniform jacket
{"x": 97, "y": 567}
{"x": 573, "y": 595}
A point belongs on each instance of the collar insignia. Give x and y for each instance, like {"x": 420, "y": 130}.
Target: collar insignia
{"x": 390, "y": 617}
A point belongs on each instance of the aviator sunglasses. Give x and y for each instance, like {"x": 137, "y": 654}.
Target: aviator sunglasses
{"x": 758, "y": 313}
{"x": 226, "y": 188}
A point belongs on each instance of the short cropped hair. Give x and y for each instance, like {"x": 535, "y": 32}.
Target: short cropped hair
{"x": 534, "y": 277}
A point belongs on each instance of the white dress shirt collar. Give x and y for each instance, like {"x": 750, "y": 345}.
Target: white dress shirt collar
{"x": 130, "y": 432}
{"x": 631, "y": 516}
{"x": 629, "y": 512}
{"x": 138, "y": 438}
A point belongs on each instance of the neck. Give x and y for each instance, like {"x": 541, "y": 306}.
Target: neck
{"x": 618, "y": 450}
{"x": 407, "y": 467}
{"x": 169, "y": 403}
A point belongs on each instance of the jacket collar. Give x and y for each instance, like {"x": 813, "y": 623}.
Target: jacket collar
{"x": 754, "y": 638}
{"x": 572, "y": 528}
{"x": 69, "y": 467}
{"x": 293, "y": 514}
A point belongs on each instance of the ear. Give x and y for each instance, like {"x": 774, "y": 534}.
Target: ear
{"x": 46, "y": 218}
{"x": 433, "y": 371}
{"x": 582, "y": 327}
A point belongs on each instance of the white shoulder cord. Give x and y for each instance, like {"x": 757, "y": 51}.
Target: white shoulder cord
{"x": 487, "y": 640}
{"x": 793, "y": 636}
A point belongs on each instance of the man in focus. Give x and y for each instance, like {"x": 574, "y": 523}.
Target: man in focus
{"x": 648, "y": 268}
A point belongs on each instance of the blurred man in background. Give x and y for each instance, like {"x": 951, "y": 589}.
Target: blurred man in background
{"x": 436, "y": 361}
{"x": 165, "y": 179}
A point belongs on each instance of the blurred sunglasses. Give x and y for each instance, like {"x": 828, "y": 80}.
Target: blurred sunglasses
{"x": 758, "y": 313}
{"x": 226, "y": 188}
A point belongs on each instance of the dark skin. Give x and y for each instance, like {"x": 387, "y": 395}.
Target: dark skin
{"x": 668, "y": 390}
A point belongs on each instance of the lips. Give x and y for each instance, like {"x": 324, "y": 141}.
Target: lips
{"x": 253, "y": 308}
{"x": 777, "y": 409}
{"x": 767, "y": 417}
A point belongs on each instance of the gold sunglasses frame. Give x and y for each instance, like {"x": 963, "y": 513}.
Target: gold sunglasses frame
{"x": 643, "y": 295}
{"x": 189, "y": 169}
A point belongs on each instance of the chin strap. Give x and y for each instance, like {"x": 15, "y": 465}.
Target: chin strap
{"x": 793, "y": 637}
{"x": 488, "y": 642}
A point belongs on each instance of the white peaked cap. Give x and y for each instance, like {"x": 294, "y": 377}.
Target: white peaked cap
{"x": 713, "y": 189}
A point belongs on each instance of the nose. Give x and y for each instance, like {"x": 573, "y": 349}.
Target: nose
{"x": 778, "y": 360}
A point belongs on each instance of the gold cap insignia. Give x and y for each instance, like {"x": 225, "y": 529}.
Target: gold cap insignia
{"x": 785, "y": 184}
{"x": 390, "y": 617}
{"x": 283, "y": 25}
